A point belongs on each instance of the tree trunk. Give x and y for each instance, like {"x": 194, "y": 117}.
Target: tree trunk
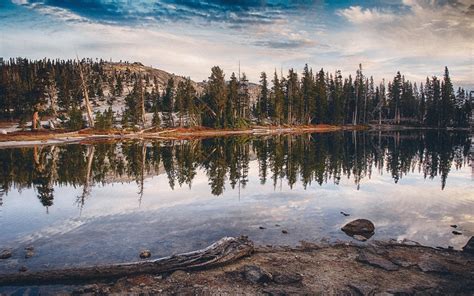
{"x": 90, "y": 118}
{"x": 225, "y": 250}
{"x": 34, "y": 121}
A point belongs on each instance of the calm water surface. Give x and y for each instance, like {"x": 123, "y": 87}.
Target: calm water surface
{"x": 81, "y": 205}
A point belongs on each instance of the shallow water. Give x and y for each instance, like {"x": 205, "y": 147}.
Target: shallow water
{"x": 82, "y": 205}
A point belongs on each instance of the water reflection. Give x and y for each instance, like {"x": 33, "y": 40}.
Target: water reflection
{"x": 319, "y": 158}
{"x": 103, "y": 202}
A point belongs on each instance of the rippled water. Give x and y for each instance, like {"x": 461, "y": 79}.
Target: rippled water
{"x": 100, "y": 203}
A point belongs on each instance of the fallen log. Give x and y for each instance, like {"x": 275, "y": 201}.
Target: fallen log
{"x": 225, "y": 250}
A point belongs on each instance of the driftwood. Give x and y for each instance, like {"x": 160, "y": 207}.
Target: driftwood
{"x": 223, "y": 251}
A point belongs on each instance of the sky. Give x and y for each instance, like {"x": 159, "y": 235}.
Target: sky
{"x": 187, "y": 37}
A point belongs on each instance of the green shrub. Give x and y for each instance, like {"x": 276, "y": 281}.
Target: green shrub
{"x": 75, "y": 122}
{"x": 104, "y": 121}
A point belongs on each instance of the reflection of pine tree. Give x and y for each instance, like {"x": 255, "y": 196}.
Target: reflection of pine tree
{"x": 284, "y": 158}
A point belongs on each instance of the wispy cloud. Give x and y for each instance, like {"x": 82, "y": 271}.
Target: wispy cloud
{"x": 417, "y": 37}
{"x": 359, "y": 15}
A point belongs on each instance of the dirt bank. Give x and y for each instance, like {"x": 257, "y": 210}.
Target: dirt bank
{"x": 343, "y": 269}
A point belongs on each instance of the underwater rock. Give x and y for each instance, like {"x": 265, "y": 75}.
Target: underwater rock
{"x": 145, "y": 254}
{"x": 5, "y": 254}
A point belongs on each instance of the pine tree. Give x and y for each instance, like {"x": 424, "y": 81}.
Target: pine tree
{"x": 263, "y": 99}
{"x": 308, "y": 93}
{"x": 277, "y": 100}
{"x": 232, "y": 101}
{"x": 447, "y": 100}
{"x": 217, "y": 96}
{"x": 395, "y": 93}
{"x": 321, "y": 98}
{"x": 168, "y": 103}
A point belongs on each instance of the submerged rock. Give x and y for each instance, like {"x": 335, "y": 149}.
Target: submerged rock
{"x": 23, "y": 269}
{"x": 284, "y": 231}
{"x": 456, "y": 232}
{"x": 469, "y": 247}
{"x": 256, "y": 275}
{"x": 5, "y": 254}
{"x": 145, "y": 254}
{"x": 29, "y": 254}
{"x": 358, "y": 228}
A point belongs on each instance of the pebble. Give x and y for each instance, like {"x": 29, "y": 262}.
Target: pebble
{"x": 345, "y": 214}
{"x": 454, "y": 226}
{"x": 284, "y": 231}
{"x": 261, "y": 227}
{"x": 456, "y": 232}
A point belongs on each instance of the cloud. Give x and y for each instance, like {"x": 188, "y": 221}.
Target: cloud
{"x": 428, "y": 34}
{"x": 417, "y": 37}
{"x": 359, "y": 15}
{"x": 243, "y": 12}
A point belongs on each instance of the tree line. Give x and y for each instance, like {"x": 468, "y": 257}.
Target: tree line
{"x": 62, "y": 88}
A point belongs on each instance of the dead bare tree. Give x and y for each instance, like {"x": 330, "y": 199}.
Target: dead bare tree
{"x": 90, "y": 118}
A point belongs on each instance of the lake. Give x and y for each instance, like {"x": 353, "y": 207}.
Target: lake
{"x": 80, "y": 205}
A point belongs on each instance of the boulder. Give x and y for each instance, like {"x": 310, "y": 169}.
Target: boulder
{"x": 5, "y": 254}
{"x": 359, "y": 227}
{"x": 469, "y": 247}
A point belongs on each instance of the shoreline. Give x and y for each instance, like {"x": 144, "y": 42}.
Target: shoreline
{"x": 47, "y": 137}
{"x": 400, "y": 268}
{"x": 87, "y": 135}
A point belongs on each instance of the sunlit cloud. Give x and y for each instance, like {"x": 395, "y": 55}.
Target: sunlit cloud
{"x": 188, "y": 37}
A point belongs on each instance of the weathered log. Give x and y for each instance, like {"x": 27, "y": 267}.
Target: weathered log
{"x": 223, "y": 251}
